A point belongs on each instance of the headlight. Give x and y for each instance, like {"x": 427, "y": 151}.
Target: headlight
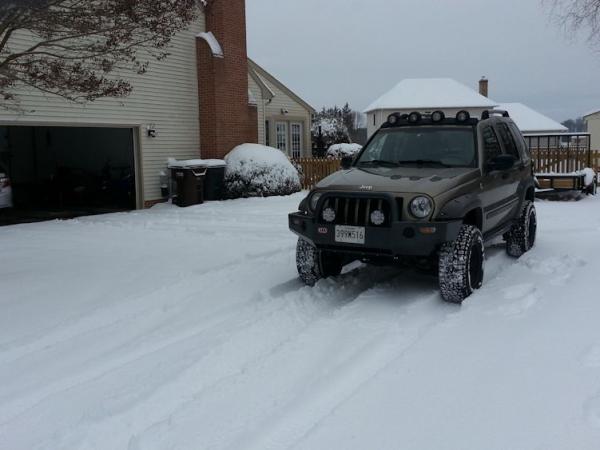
{"x": 314, "y": 200}
{"x": 421, "y": 207}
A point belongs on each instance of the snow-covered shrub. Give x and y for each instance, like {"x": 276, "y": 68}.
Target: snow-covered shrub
{"x": 342, "y": 150}
{"x": 257, "y": 171}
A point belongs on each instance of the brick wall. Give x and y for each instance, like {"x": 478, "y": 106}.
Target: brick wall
{"x": 226, "y": 118}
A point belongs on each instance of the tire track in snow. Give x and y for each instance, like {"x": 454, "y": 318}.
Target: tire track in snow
{"x": 207, "y": 358}
{"x": 103, "y": 317}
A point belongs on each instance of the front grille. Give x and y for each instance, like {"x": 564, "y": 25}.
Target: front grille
{"x": 356, "y": 211}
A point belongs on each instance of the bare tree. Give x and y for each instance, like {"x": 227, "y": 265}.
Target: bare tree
{"x": 82, "y": 50}
{"x": 578, "y": 16}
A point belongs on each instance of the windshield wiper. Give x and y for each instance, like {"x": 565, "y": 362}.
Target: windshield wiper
{"x": 378, "y": 162}
{"x": 423, "y": 162}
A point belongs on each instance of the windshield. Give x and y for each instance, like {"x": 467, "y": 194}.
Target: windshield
{"x": 445, "y": 146}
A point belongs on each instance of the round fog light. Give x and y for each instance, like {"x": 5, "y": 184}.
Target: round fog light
{"x": 328, "y": 215}
{"x": 377, "y": 217}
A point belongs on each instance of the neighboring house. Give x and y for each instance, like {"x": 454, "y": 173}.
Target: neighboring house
{"x": 284, "y": 119}
{"x": 426, "y": 95}
{"x": 450, "y": 96}
{"x": 592, "y": 121}
{"x": 530, "y": 121}
{"x": 201, "y": 101}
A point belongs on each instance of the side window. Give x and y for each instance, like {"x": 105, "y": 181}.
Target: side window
{"x": 491, "y": 146}
{"x": 523, "y": 147}
{"x": 508, "y": 141}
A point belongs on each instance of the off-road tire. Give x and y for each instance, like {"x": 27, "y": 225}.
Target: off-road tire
{"x": 461, "y": 265}
{"x": 521, "y": 238}
{"x": 314, "y": 264}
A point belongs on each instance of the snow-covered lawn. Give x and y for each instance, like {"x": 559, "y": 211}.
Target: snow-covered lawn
{"x": 187, "y": 329}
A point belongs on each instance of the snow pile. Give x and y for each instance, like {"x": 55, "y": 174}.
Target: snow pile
{"x": 342, "y": 150}
{"x": 590, "y": 176}
{"x": 258, "y": 171}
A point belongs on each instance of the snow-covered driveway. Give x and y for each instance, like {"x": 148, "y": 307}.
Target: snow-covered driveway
{"x": 187, "y": 329}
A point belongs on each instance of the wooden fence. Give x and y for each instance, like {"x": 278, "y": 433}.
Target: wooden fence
{"x": 565, "y": 160}
{"x": 313, "y": 170}
{"x": 561, "y": 160}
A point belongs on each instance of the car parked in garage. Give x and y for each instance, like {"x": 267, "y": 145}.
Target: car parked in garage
{"x": 6, "y": 200}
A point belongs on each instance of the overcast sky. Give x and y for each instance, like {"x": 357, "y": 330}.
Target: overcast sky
{"x": 333, "y": 51}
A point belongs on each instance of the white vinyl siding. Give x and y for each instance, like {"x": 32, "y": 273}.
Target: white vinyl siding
{"x": 296, "y": 112}
{"x": 593, "y": 127}
{"x": 166, "y": 97}
{"x": 260, "y": 105}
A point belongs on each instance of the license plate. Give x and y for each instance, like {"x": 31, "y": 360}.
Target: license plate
{"x": 350, "y": 235}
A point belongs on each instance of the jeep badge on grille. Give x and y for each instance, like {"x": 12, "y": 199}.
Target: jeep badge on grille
{"x": 366, "y": 188}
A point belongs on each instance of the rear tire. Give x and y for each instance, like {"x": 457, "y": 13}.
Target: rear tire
{"x": 314, "y": 264}
{"x": 461, "y": 265}
{"x": 521, "y": 238}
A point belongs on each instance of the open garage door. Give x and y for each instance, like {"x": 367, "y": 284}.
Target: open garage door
{"x": 65, "y": 172}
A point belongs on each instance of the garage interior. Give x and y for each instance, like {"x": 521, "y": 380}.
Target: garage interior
{"x": 67, "y": 172}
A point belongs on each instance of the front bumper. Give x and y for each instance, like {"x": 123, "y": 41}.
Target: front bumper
{"x": 400, "y": 239}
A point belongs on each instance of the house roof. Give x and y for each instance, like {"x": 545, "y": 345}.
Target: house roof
{"x": 261, "y": 76}
{"x": 591, "y": 113}
{"x": 530, "y": 121}
{"x": 430, "y": 93}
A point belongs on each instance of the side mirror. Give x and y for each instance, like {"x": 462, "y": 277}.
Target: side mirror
{"x": 347, "y": 162}
{"x": 501, "y": 162}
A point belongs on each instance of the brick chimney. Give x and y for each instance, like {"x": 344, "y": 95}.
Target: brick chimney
{"x": 483, "y": 86}
{"x": 226, "y": 117}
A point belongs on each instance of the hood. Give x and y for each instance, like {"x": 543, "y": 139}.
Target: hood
{"x": 417, "y": 180}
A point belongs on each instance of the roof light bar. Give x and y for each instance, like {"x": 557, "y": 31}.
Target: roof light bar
{"x": 393, "y": 119}
{"x": 463, "y": 116}
{"x": 438, "y": 116}
{"x": 414, "y": 117}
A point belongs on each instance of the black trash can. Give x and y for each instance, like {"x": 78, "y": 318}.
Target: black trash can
{"x": 189, "y": 185}
{"x": 214, "y": 181}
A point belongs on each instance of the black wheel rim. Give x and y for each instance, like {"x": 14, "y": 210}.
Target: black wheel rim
{"x": 475, "y": 265}
{"x": 532, "y": 230}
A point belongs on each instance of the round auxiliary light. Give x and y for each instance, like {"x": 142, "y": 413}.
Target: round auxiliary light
{"x": 328, "y": 215}
{"x": 392, "y": 119}
{"x": 314, "y": 200}
{"x": 377, "y": 217}
{"x": 463, "y": 116}
{"x": 421, "y": 207}
{"x": 414, "y": 117}
{"x": 438, "y": 116}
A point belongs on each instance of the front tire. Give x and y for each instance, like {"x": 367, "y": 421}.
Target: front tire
{"x": 461, "y": 265}
{"x": 521, "y": 238}
{"x": 314, "y": 264}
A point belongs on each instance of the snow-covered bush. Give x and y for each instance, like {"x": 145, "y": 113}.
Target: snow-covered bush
{"x": 257, "y": 171}
{"x": 342, "y": 150}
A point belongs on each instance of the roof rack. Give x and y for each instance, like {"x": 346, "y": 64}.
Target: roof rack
{"x": 490, "y": 112}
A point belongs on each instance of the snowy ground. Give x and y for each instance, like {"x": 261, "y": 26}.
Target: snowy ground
{"x": 187, "y": 329}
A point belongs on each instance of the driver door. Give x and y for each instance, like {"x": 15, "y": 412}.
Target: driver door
{"x": 498, "y": 195}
